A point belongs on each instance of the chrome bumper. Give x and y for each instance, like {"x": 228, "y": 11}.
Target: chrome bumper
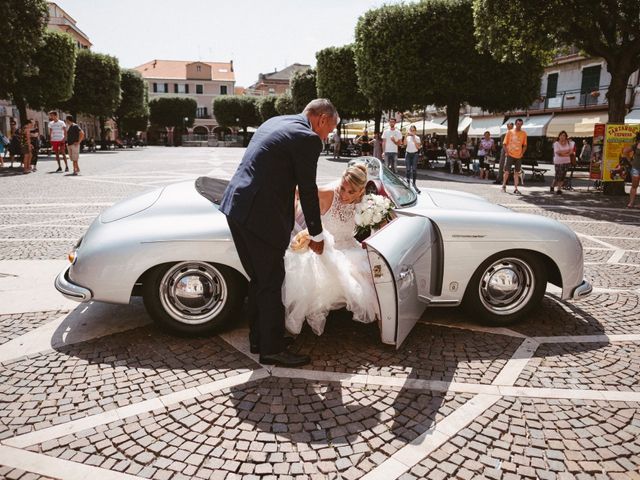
{"x": 70, "y": 289}
{"x": 582, "y": 290}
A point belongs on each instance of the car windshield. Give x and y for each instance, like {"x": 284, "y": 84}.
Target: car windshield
{"x": 399, "y": 192}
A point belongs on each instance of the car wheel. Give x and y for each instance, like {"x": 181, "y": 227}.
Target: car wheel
{"x": 193, "y": 297}
{"x": 505, "y": 287}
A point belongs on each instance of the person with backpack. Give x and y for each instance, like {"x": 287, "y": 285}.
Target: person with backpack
{"x": 75, "y": 136}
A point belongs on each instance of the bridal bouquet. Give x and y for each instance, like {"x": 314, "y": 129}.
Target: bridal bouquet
{"x": 373, "y": 212}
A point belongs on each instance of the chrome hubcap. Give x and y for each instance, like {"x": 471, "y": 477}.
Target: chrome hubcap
{"x": 193, "y": 292}
{"x": 506, "y": 286}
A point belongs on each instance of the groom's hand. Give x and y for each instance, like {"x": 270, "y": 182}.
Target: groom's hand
{"x": 317, "y": 247}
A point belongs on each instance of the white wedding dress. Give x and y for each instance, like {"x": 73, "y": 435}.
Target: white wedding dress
{"x": 340, "y": 277}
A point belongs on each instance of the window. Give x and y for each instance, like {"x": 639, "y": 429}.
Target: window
{"x": 272, "y": 90}
{"x": 198, "y": 68}
{"x": 161, "y": 87}
{"x": 181, "y": 88}
{"x": 199, "y": 89}
{"x": 223, "y": 89}
{"x": 590, "y": 84}
{"x": 201, "y": 112}
{"x": 552, "y": 85}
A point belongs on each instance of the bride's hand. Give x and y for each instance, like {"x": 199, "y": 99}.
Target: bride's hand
{"x": 317, "y": 247}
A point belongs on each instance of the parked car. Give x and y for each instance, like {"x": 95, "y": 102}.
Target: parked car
{"x": 172, "y": 246}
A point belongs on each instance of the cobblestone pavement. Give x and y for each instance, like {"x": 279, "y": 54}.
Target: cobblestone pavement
{"x": 556, "y": 396}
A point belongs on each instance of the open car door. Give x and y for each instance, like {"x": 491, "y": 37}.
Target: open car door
{"x": 400, "y": 261}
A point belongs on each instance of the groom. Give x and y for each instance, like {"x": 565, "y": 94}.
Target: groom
{"x": 259, "y": 205}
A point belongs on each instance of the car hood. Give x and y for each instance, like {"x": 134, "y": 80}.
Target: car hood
{"x": 435, "y": 198}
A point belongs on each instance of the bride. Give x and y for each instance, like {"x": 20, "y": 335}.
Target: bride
{"x": 340, "y": 277}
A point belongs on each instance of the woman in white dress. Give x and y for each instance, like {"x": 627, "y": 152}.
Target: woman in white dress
{"x": 340, "y": 277}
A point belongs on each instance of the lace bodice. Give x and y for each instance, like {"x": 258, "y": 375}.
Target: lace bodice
{"x": 339, "y": 220}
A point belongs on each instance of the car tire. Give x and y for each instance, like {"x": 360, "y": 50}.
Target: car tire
{"x": 506, "y": 287}
{"x": 193, "y": 298}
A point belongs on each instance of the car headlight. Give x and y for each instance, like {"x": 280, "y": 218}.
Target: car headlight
{"x": 72, "y": 256}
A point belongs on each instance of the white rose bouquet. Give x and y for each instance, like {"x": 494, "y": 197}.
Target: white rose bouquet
{"x": 372, "y": 213}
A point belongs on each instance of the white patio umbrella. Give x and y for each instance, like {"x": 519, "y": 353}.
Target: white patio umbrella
{"x": 426, "y": 126}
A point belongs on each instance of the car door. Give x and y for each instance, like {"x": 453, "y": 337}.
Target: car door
{"x": 400, "y": 261}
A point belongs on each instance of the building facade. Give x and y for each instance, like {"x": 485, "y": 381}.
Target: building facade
{"x": 61, "y": 21}
{"x": 202, "y": 81}
{"x": 276, "y": 82}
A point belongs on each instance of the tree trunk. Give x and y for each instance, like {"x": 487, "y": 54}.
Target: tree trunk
{"x": 377, "y": 116}
{"x": 453, "y": 118}
{"x": 22, "y": 109}
{"x": 617, "y": 93}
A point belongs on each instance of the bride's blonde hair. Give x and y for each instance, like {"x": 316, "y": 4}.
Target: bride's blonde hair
{"x": 356, "y": 175}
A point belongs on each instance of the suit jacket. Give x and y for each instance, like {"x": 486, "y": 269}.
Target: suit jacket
{"x": 282, "y": 154}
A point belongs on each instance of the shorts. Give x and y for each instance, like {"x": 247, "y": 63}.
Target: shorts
{"x": 516, "y": 163}
{"x": 58, "y": 147}
{"x": 635, "y": 172}
{"x": 561, "y": 171}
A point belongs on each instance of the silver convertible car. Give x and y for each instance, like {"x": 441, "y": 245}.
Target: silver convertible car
{"x": 172, "y": 246}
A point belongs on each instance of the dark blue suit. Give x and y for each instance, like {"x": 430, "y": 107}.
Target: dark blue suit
{"x": 259, "y": 205}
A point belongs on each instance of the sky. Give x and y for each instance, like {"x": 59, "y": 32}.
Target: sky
{"x": 259, "y": 36}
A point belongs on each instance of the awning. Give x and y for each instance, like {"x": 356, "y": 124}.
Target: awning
{"x": 439, "y": 120}
{"x": 633, "y": 116}
{"x": 534, "y": 126}
{"x": 463, "y": 124}
{"x": 479, "y": 125}
{"x": 359, "y": 125}
{"x": 429, "y": 127}
{"x": 575, "y": 124}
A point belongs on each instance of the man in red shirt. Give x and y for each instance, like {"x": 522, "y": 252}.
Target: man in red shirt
{"x": 515, "y": 143}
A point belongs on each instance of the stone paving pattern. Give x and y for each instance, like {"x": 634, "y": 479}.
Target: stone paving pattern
{"x": 272, "y": 427}
{"x": 595, "y": 366}
{"x": 541, "y": 439}
{"x": 107, "y": 373}
{"x": 295, "y": 428}
{"x": 17, "y": 324}
{"x": 430, "y": 352}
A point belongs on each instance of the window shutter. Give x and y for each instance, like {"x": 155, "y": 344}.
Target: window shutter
{"x": 166, "y": 88}
{"x": 155, "y": 87}
{"x": 186, "y": 88}
{"x": 175, "y": 88}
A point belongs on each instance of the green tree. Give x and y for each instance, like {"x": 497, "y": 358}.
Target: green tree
{"x": 22, "y": 24}
{"x": 611, "y": 30}
{"x": 48, "y": 82}
{"x": 173, "y": 112}
{"x": 133, "y": 110}
{"x": 237, "y": 111}
{"x": 267, "y": 107}
{"x": 303, "y": 89}
{"x": 97, "y": 87}
{"x": 442, "y": 64}
{"x": 284, "y": 105}
{"x": 338, "y": 81}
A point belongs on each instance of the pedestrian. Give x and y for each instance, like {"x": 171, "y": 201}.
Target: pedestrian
{"x": 391, "y": 138}
{"x": 515, "y": 143}
{"x": 585, "y": 153}
{"x": 34, "y": 136}
{"x": 562, "y": 150}
{"x": 377, "y": 145}
{"x": 75, "y": 136}
{"x": 259, "y": 205}
{"x": 58, "y": 137}
{"x": 486, "y": 148}
{"x": 464, "y": 155}
{"x": 25, "y": 146}
{"x": 635, "y": 171}
{"x": 14, "y": 141}
{"x": 365, "y": 144}
{"x": 337, "y": 142}
{"x": 503, "y": 154}
{"x": 453, "y": 159}
{"x": 413, "y": 145}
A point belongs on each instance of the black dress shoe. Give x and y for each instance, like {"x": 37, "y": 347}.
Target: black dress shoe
{"x": 255, "y": 348}
{"x": 286, "y": 359}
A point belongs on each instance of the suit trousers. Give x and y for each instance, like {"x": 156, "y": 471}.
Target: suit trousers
{"x": 265, "y": 266}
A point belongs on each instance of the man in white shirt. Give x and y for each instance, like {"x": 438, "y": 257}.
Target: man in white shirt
{"x": 58, "y": 139}
{"x": 391, "y": 138}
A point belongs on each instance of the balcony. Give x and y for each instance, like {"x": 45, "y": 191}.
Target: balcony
{"x": 575, "y": 100}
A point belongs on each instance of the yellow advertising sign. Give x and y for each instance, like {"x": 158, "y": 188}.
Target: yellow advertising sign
{"x": 617, "y": 148}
